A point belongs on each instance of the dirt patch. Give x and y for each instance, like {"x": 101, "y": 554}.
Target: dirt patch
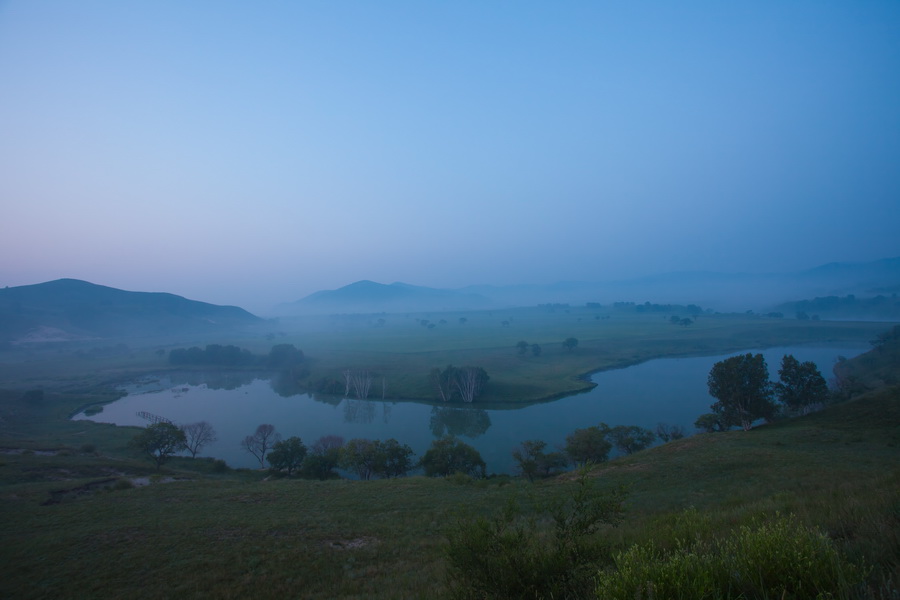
{"x": 354, "y": 544}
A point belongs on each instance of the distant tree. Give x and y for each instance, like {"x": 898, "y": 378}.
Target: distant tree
{"x": 287, "y": 455}
{"x": 261, "y": 442}
{"x": 535, "y": 350}
{"x": 522, "y": 346}
{"x": 360, "y": 456}
{"x": 448, "y": 456}
{"x": 630, "y": 438}
{"x": 741, "y": 385}
{"x": 284, "y": 356}
{"x": 463, "y": 320}
{"x": 394, "y": 459}
{"x": 198, "y": 435}
{"x": 801, "y": 315}
{"x": 470, "y": 382}
{"x": 570, "y": 343}
{"x": 588, "y": 445}
{"x": 466, "y": 383}
{"x": 710, "y": 423}
{"x": 667, "y": 433}
{"x": 159, "y": 442}
{"x": 801, "y": 385}
{"x": 442, "y": 381}
{"x": 675, "y": 319}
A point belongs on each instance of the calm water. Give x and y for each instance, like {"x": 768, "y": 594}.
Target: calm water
{"x": 670, "y": 390}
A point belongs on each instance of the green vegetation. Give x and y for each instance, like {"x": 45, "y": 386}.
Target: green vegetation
{"x": 83, "y": 514}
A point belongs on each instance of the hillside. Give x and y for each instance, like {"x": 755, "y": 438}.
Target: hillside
{"x": 724, "y": 292}
{"x": 371, "y": 297}
{"x": 70, "y": 309}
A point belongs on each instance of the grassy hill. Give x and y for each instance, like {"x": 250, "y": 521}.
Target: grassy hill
{"x": 70, "y": 309}
{"x": 78, "y": 522}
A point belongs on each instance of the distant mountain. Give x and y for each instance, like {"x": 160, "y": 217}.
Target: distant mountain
{"x": 718, "y": 291}
{"x": 70, "y": 309}
{"x": 371, "y": 297}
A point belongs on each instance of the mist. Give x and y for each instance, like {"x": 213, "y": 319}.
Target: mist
{"x": 261, "y": 156}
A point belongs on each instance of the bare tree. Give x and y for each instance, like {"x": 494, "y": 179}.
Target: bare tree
{"x": 198, "y": 435}
{"x": 362, "y": 381}
{"x": 261, "y": 442}
{"x": 469, "y": 382}
{"x": 347, "y": 377}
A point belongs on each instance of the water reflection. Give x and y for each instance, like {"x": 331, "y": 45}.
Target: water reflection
{"x": 671, "y": 391}
{"x": 358, "y": 411}
{"x": 470, "y": 422}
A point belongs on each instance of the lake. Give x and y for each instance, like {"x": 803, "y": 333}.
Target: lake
{"x": 667, "y": 390}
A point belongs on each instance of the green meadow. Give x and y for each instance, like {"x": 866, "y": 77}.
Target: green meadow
{"x": 82, "y": 517}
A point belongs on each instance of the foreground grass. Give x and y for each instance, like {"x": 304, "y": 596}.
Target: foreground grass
{"x": 239, "y": 535}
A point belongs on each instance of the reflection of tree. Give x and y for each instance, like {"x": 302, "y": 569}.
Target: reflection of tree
{"x": 216, "y": 380}
{"x": 286, "y": 385}
{"x": 358, "y": 411}
{"x": 469, "y": 422}
{"x": 386, "y": 412}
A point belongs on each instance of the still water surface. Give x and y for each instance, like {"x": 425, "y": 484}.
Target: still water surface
{"x": 668, "y": 390}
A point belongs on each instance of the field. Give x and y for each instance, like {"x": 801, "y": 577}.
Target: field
{"x": 401, "y": 350}
{"x": 82, "y": 517}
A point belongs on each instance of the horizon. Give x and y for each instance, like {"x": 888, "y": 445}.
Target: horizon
{"x": 253, "y": 155}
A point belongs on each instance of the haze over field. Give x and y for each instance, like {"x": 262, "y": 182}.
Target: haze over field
{"x": 252, "y": 154}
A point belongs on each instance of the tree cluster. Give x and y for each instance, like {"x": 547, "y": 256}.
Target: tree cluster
{"x": 589, "y": 445}
{"x": 463, "y": 383}
{"x": 281, "y": 356}
{"x": 744, "y": 393}
{"x": 382, "y": 458}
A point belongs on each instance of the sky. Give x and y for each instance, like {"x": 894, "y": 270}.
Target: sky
{"x": 252, "y": 153}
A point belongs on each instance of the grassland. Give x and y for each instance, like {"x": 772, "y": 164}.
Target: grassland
{"x": 77, "y": 521}
{"x": 402, "y": 350}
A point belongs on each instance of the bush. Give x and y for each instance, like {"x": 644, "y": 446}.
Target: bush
{"x": 548, "y": 554}
{"x": 781, "y": 559}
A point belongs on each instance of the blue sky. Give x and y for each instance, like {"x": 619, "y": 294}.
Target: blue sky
{"x": 253, "y": 153}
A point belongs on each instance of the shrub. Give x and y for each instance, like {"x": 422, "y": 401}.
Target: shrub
{"x": 547, "y": 554}
{"x": 780, "y": 559}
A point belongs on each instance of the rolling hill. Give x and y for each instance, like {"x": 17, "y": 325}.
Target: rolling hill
{"x": 70, "y": 310}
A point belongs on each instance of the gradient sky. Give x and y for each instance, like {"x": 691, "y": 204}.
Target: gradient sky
{"x": 252, "y": 153}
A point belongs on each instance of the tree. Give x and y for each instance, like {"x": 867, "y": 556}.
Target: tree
{"x": 261, "y": 442}
{"x": 666, "y": 432}
{"x": 801, "y": 385}
{"x": 522, "y": 347}
{"x": 741, "y": 385}
{"x": 588, "y": 445}
{"x": 198, "y": 435}
{"x": 534, "y": 462}
{"x": 465, "y": 382}
{"x": 709, "y": 423}
{"x": 570, "y": 343}
{"x": 470, "y": 382}
{"x": 323, "y": 457}
{"x": 159, "y": 441}
{"x": 448, "y": 456}
{"x": 284, "y": 356}
{"x": 535, "y": 349}
{"x": 630, "y": 438}
{"x": 287, "y": 455}
{"x": 360, "y": 456}
{"x": 394, "y": 459}
{"x": 443, "y": 382}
